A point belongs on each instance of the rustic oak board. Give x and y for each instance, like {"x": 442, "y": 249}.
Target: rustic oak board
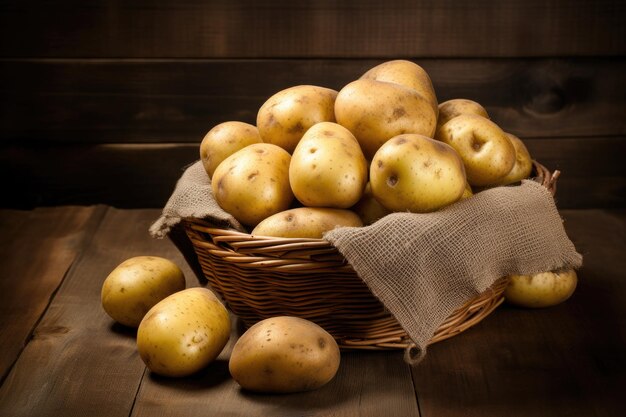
{"x": 38, "y": 247}
{"x": 144, "y": 175}
{"x": 148, "y": 101}
{"x": 367, "y": 384}
{"x": 566, "y": 360}
{"x": 354, "y": 28}
{"x": 78, "y": 361}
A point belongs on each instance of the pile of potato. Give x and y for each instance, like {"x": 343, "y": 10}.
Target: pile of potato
{"x": 318, "y": 158}
{"x": 181, "y": 331}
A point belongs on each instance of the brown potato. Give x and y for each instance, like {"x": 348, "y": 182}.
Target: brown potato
{"x": 306, "y": 222}
{"x": 284, "y": 354}
{"x": 328, "y": 168}
{"x": 523, "y": 162}
{"x": 376, "y": 111}
{"x": 253, "y": 183}
{"x": 486, "y": 151}
{"x": 288, "y": 114}
{"x": 458, "y": 106}
{"x": 416, "y": 173}
{"x": 224, "y": 140}
{"x": 405, "y": 73}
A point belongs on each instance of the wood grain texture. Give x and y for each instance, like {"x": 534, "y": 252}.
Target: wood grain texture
{"x": 368, "y": 384}
{"x": 79, "y": 362}
{"x": 144, "y": 175}
{"x": 247, "y": 28}
{"x": 147, "y": 101}
{"x": 38, "y": 247}
{"x": 565, "y": 360}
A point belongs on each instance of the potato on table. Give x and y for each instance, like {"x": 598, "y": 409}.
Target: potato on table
{"x": 284, "y": 354}
{"x": 183, "y": 333}
{"x": 136, "y": 285}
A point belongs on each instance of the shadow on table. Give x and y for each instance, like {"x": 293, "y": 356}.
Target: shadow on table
{"x": 216, "y": 373}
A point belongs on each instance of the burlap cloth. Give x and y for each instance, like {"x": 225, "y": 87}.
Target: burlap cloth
{"x": 424, "y": 266}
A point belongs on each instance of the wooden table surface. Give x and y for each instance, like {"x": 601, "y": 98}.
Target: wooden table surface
{"x": 61, "y": 355}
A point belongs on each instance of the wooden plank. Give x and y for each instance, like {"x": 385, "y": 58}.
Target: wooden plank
{"x": 38, "y": 247}
{"x": 108, "y": 101}
{"x": 565, "y": 360}
{"x": 354, "y": 28}
{"x": 367, "y": 384}
{"x": 144, "y": 175}
{"x": 79, "y": 362}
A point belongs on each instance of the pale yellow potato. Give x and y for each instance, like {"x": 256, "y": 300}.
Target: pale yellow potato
{"x": 224, "y": 140}
{"x": 545, "y": 289}
{"x": 376, "y": 111}
{"x": 467, "y": 193}
{"x": 457, "y": 106}
{"x": 136, "y": 285}
{"x": 288, "y": 114}
{"x": 306, "y": 222}
{"x": 417, "y": 174}
{"x": 487, "y": 152}
{"x": 523, "y": 162}
{"x": 328, "y": 168}
{"x": 253, "y": 183}
{"x": 183, "y": 333}
{"x": 284, "y": 354}
{"x": 405, "y": 73}
{"x": 368, "y": 208}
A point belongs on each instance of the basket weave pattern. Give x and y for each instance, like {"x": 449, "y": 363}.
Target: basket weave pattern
{"x": 261, "y": 277}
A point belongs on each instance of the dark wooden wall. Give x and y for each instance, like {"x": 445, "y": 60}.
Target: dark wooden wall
{"x": 106, "y": 101}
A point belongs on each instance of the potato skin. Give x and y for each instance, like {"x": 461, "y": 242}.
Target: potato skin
{"x": 541, "y": 290}
{"x": 284, "y": 354}
{"x": 523, "y": 162}
{"x": 306, "y": 222}
{"x": 136, "y": 285}
{"x": 368, "y": 208}
{"x": 288, "y": 114}
{"x": 487, "y": 153}
{"x": 457, "y": 106}
{"x": 375, "y": 111}
{"x": 328, "y": 168}
{"x": 417, "y": 174}
{"x": 407, "y": 74}
{"x": 224, "y": 140}
{"x": 183, "y": 333}
{"x": 253, "y": 183}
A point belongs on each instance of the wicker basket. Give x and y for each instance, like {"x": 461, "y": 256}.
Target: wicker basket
{"x": 261, "y": 277}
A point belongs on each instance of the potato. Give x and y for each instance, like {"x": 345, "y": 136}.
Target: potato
{"x": 368, "y": 208}
{"x": 224, "y": 140}
{"x": 415, "y": 173}
{"x": 376, "y": 111}
{"x": 307, "y": 222}
{"x": 284, "y": 354}
{"x": 137, "y": 284}
{"x": 452, "y": 108}
{"x": 468, "y": 192}
{"x": 523, "y": 162}
{"x": 487, "y": 153}
{"x": 183, "y": 333}
{"x": 285, "y": 116}
{"x": 253, "y": 183}
{"x": 545, "y": 289}
{"x": 327, "y": 167}
{"x": 405, "y": 73}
